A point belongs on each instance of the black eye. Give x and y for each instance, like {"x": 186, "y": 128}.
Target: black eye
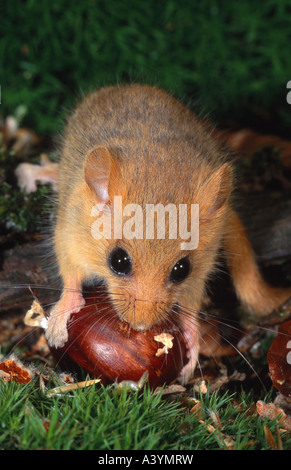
{"x": 119, "y": 262}
{"x": 180, "y": 271}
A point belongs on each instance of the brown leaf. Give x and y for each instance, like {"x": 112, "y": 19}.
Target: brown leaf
{"x": 279, "y": 359}
{"x": 271, "y": 411}
{"x": 171, "y": 389}
{"x": 270, "y": 439}
{"x": 197, "y": 410}
{"x": 69, "y": 387}
{"x": 15, "y": 372}
{"x": 28, "y": 174}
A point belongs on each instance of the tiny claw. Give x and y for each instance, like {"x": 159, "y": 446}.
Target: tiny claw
{"x": 56, "y": 332}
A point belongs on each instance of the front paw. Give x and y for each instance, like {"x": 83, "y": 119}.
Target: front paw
{"x": 191, "y": 339}
{"x": 57, "y": 331}
{"x": 186, "y": 373}
{"x": 188, "y": 370}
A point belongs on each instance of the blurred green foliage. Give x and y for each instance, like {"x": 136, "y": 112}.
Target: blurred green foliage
{"x": 230, "y": 58}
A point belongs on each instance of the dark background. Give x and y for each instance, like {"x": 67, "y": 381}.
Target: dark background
{"x": 229, "y": 59}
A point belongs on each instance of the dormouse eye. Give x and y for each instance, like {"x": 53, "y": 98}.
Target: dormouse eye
{"x": 180, "y": 271}
{"x": 119, "y": 262}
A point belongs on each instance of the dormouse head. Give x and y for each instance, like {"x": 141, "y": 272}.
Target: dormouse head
{"x": 158, "y": 231}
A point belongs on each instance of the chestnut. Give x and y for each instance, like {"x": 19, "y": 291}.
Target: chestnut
{"x": 107, "y": 347}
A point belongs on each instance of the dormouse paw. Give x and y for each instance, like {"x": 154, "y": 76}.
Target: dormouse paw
{"x": 188, "y": 370}
{"x": 57, "y": 331}
{"x": 186, "y": 373}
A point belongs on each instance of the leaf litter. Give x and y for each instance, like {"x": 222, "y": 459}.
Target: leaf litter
{"x": 213, "y": 375}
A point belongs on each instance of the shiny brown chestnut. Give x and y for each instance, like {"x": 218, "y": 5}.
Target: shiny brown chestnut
{"x": 106, "y": 347}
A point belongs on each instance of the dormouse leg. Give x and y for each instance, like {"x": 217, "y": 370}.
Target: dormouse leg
{"x": 70, "y": 302}
{"x": 191, "y": 338}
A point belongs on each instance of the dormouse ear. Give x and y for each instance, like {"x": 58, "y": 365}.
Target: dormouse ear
{"x": 217, "y": 189}
{"x": 98, "y": 169}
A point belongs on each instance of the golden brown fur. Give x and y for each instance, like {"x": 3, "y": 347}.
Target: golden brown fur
{"x": 140, "y": 143}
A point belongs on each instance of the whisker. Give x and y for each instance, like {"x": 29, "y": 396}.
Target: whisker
{"x": 204, "y": 341}
{"x": 21, "y": 340}
{"x": 194, "y": 320}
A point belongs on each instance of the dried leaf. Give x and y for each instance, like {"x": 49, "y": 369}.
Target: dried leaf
{"x": 271, "y": 411}
{"x": 215, "y": 418}
{"x": 201, "y": 387}
{"x": 270, "y": 439}
{"x": 35, "y": 316}
{"x": 229, "y": 443}
{"x": 218, "y": 381}
{"x": 5, "y": 376}
{"x": 171, "y": 389}
{"x": 28, "y": 174}
{"x": 279, "y": 359}
{"x": 197, "y": 410}
{"x": 224, "y": 440}
{"x": 15, "y": 371}
{"x": 68, "y": 388}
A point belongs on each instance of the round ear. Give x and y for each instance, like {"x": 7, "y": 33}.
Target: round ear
{"x": 217, "y": 190}
{"x": 98, "y": 169}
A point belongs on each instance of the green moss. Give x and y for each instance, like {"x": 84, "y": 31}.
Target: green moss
{"x": 100, "y": 418}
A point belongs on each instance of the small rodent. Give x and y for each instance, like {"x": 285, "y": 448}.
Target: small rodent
{"x": 140, "y": 143}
